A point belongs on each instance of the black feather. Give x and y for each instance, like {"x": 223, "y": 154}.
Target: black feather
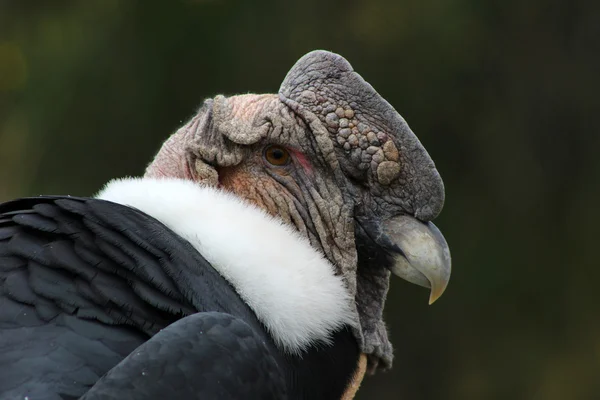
{"x": 234, "y": 360}
{"x": 84, "y": 282}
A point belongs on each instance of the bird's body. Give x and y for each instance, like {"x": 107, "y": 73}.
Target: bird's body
{"x": 87, "y": 281}
{"x": 252, "y": 260}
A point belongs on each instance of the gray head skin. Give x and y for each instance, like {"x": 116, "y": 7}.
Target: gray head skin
{"x": 358, "y": 183}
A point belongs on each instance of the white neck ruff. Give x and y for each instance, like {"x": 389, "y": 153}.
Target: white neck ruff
{"x": 290, "y": 286}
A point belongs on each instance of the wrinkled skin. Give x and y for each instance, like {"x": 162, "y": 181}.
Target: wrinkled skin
{"x": 352, "y": 159}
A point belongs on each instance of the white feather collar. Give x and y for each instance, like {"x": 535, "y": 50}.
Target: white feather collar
{"x": 290, "y": 286}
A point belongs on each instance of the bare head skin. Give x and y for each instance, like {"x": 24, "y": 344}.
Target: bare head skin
{"x": 332, "y": 158}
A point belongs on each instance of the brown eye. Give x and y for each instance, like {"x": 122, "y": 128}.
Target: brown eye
{"x": 277, "y": 155}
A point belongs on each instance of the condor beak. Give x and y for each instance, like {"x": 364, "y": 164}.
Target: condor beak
{"x": 418, "y": 249}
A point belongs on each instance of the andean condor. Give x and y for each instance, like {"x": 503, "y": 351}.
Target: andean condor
{"x": 251, "y": 261}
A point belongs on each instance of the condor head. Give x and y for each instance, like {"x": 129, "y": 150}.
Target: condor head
{"x": 330, "y": 157}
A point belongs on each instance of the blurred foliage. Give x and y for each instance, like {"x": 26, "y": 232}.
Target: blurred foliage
{"x": 504, "y": 95}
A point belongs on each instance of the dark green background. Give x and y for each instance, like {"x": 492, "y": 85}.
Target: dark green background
{"x": 504, "y": 95}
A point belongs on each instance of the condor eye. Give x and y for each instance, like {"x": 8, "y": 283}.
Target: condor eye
{"x": 276, "y": 155}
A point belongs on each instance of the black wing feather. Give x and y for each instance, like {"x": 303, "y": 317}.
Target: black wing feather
{"x": 234, "y": 362}
{"x": 84, "y": 282}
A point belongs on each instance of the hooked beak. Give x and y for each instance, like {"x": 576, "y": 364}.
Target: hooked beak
{"x": 418, "y": 250}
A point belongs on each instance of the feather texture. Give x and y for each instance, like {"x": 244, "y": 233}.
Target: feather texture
{"x": 290, "y": 286}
